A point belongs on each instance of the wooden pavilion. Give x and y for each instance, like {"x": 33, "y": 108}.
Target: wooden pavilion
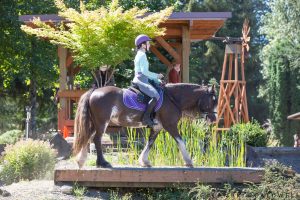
{"x": 182, "y": 28}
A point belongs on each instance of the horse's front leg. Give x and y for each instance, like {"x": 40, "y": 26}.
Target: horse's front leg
{"x": 180, "y": 143}
{"x": 143, "y": 159}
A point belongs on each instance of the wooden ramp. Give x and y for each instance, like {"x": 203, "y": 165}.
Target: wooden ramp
{"x": 156, "y": 176}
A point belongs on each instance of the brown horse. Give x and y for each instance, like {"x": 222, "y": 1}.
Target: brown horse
{"x": 103, "y": 107}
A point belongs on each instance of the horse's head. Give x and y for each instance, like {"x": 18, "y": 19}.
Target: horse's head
{"x": 208, "y": 103}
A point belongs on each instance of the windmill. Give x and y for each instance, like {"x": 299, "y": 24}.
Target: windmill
{"x": 232, "y": 104}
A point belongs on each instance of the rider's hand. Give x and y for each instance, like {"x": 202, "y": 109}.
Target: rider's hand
{"x": 160, "y": 76}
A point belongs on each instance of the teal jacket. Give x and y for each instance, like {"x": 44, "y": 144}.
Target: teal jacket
{"x": 141, "y": 65}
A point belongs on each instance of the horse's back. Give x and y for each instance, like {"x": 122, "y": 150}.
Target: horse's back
{"x": 106, "y": 96}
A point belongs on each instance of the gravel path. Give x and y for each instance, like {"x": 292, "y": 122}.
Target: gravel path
{"x": 46, "y": 190}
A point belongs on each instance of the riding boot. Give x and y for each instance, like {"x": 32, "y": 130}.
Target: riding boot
{"x": 147, "y": 115}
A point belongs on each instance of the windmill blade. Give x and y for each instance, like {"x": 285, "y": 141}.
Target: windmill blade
{"x": 245, "y": 33}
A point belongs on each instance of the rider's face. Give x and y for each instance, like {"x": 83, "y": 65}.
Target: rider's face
{"x": 147, "y": 45}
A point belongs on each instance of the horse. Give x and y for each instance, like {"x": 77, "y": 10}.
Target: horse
{"x": 99, "y": 108}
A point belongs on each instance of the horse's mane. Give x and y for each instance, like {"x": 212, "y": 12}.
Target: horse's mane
{"x": 176, "y": 91}
{"x": 185, "y": 85}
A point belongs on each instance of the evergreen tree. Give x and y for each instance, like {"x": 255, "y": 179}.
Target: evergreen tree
{"x": 281, "y": 61}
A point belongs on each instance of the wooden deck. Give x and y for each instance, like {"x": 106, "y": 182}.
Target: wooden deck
{"x": 156, "y": 176}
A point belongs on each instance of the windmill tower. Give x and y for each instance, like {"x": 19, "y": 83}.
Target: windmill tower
{"x": 232, "y": 104}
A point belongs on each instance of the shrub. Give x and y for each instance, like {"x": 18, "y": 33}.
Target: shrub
{"x": 11, "y": 137}
{"x": 252, "y": 133}
{"x": 279, "y": 182}
{"x": 30, "y": 159}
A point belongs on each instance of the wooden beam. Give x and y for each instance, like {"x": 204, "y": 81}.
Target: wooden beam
{"x": 168, "y": 48}
{"x": 156, "y": 177}
{"x": 71, "y": 93}
{"x": 186, "y": 47}
{"x": 173, "y": 31}
{"x": 161, "y": 57}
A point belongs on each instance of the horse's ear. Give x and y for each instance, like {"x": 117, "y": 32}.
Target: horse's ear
{"x": 212, "y": 89}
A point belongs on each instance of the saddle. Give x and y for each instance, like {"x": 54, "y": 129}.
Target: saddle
{"x": 142, "y": 97}
{"x": 135, "y": 99}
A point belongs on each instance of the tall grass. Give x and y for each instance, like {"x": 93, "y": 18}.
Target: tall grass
{"x": 201, "y": 143}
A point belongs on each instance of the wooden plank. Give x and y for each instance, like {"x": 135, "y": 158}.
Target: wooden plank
{"x": 156, "y": 177}
{"x": 168, "y": 48}
{"x": 173, "y": 31}
{"x": 212, "y": 23}
{"x": 200, "y": 36}
{"x": 71, "y": 93}
{"x": 186, "y": 46}
{"x": 236, "y": 77}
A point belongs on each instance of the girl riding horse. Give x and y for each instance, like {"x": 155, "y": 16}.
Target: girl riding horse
{"x": 142, "y": 76}
{"x": 99, "y": 108}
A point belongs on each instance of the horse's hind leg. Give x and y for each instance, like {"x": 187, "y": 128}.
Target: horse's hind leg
{"x": 101, "y": 162}
{"x": 81, "y": 157}
{"x": 143, "y": 159}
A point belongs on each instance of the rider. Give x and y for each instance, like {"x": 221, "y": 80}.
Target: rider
{"x": 142, "y": 76}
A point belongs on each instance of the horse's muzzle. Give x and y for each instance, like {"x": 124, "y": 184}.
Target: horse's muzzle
{"x": 211, "y": 118}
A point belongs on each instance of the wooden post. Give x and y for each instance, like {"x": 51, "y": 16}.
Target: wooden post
{"x": 186, "y": 43}
{"x": 62, "y": 56}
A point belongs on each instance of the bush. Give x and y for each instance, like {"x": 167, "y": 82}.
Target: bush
{"x": 279, "y": 182}
{"x": 252, "y": 133}
{"x": 27, "y": 160}
{"x": 11, "y": 137}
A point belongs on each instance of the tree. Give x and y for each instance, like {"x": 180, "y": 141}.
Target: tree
{"x": 101, "y": 37}
{"x": 27, "y": 66}
{"x": 206, "y": 58}
{"x": 281, "y": 65}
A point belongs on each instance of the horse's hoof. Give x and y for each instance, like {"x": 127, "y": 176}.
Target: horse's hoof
{"x": 80, "y": 164}
{"x": 189, "y": 165}
{"x": 104, "y": 165}
{"x": 145, "y": 164}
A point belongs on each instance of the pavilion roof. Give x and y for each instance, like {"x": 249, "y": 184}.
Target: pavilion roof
{"x": 202, "y": 25}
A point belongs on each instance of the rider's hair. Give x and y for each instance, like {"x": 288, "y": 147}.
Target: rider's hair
{"x": 140, "y": 45}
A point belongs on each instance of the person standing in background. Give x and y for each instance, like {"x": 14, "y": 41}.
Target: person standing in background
{"x": 174, "y": 74}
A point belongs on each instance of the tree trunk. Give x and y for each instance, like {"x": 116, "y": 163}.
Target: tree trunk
{"x": 104, "y": 78}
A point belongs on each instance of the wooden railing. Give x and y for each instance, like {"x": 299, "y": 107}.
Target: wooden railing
{"x": 68, "y": 100}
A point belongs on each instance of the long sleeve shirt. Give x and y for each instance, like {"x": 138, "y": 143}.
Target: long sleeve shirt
{"x": 174, "y": 76}
{"x": 141, "y": 65}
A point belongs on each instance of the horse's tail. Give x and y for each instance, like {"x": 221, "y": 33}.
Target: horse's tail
{"x": 83, "y": 127}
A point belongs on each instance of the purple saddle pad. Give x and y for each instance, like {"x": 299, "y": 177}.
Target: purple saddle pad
{"x": 130, "y": 100}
